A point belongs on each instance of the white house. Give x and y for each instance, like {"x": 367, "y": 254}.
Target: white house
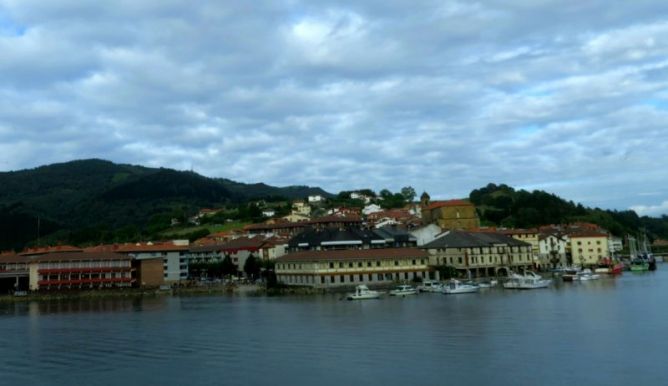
{"x": 371, "y": 208}
{"x": 268, "y": 213}
{"x": 315, "y": 198}
{"x": 426, "y": 234}
{"x": 552, "y": 249}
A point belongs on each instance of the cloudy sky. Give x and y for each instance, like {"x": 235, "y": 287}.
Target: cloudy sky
{"x": 565, "y": 96}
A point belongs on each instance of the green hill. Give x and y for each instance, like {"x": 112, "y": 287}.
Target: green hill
{"x": 502, "y": 205}
{"x": 99, "y": 201}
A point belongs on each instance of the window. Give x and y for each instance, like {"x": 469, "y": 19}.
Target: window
{"x": 359, "y": 264}
{"x": 377, "y": 263}
{"x": 380, "y": 277}
{"x": 341, "y": 279}
{"x": 459, "y": 260}
{"x": 322, "y": 280}
{"x": 340, "y": 265}
{"x": 368, "y": 264}
{"x": 350, "y": 265}
{"x": 361, "y": 277}
{"x": 331, "y": 265}
{"x": 352, "y": 279}
{"x": 414, "y": 262}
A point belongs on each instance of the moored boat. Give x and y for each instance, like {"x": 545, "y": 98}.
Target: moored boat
{"x": 454, "y": 286}
{"x": 363, "y": 292}
{"x": 530, "y": 280}
{"x": 586, "y": 275}
{"x": 430, "y": 286}
{"x": 403, "y": 290}
{"x": 571, "y": 274}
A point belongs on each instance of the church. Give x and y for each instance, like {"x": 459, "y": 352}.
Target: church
{"x": 451, "y": 214}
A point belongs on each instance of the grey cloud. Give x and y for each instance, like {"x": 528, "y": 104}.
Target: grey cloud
{"x": 563, "y": 96}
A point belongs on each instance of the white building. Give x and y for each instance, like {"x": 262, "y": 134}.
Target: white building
{"x": 371, "y": 208}
{"x": 426, "y": 234}
{"x": 315, "y": 198}
{"x": 552, "y": 250}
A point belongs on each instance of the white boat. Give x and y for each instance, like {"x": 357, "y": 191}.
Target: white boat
{"x": 430, "y": 286}
{"x": 587, "y": 275}
{"x": 530, "y": 280}
{"x": 488, "y": 284}
{"x": 403, "y": 290}
{"x": 454, "y": 286}
{"x": 363, "y": 292}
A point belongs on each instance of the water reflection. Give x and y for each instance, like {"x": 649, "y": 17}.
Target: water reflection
{"x": 501, "y": 337}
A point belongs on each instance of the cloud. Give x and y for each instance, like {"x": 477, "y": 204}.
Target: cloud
{"x": 651, "y": 210}
{"x": 445, "y": 97}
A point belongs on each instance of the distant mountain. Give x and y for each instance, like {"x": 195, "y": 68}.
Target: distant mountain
{"x": 67, "y": 198}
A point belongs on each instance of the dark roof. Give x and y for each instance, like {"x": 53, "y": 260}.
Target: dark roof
{"x": 355, "y": 254}
{"x": 242, "y": 243}
{"x": 13, "y": 258}
{"x": 68, "y": 256}
{"x": 460, "y": 239}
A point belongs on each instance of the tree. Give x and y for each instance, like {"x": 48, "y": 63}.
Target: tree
{"x": 252, "y": 267}
{"x": 409, "y": 193}
{"x": 228, "y": 267}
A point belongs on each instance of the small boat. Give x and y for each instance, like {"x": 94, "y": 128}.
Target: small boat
{"x": 587, "y": 275}
{"x": 571, "y": 274}
{"x": 487, "y": 284}
{"x": 363, "y": 292}
{"x": 530, "y": 280}
{"x": 403, "y": 290}
{"x": 430, "y": 286}
{"x": 454, "y": 286}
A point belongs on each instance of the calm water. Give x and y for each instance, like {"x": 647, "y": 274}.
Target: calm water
{"x": 609, "y": 332}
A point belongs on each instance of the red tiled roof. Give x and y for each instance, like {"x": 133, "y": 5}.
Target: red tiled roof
{"x": 440, "y": 204}
{"x": 53, "y": 249}
{"x": 139, "y": 247}
{"x": 11, "y": 257}
{"x": 355, "y": 254}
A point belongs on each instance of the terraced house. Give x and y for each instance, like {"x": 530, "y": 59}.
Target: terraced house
{"x": 480, "y": 253}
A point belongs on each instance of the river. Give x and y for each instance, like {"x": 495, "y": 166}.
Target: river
{"x": 608, "y": 332}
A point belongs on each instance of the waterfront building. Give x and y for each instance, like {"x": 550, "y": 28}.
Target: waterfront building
{"x": 350, "y": 267}
{"x": 552, "y": 248}
{"x": 172, "y": 253}
{"x": 13, "y": 273}
{"x": 587, "y": 248}
{"x": 452, "y": 214}
{"x": 479, "y": 253}
{"x": 79, "y": 270}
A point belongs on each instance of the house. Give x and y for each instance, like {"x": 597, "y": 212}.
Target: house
{"x": 296, "y": 217}
{"x": 552, "y": 249}
{"x": 371, "y": 208}
{"x": 479, "y": 253}
{"x": 268, "y": 213}
{"x": 426, "y": 234}
{"x": 301, "y": 208}
{"x": 350, "y": 267}
{"x": 452, "y": 214}
{"x": 530, "y": 236}
{"x": 315, "y": 199}
{"x": 587, "y": 248}
{"x": 359, "y": 196}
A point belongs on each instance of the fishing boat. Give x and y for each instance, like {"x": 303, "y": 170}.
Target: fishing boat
{"x": 609, "y": 266}
{"x": 363, "y": 292}
{"x": 638, "y": 261}
{"x": 454, "y": 286}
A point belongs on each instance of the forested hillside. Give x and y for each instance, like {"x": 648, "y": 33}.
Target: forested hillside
{"x": 502, "y": 205}
{"x": 99, "y": 201}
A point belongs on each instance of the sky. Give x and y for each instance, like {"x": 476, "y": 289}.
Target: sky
{"x": 570, "y": 97}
